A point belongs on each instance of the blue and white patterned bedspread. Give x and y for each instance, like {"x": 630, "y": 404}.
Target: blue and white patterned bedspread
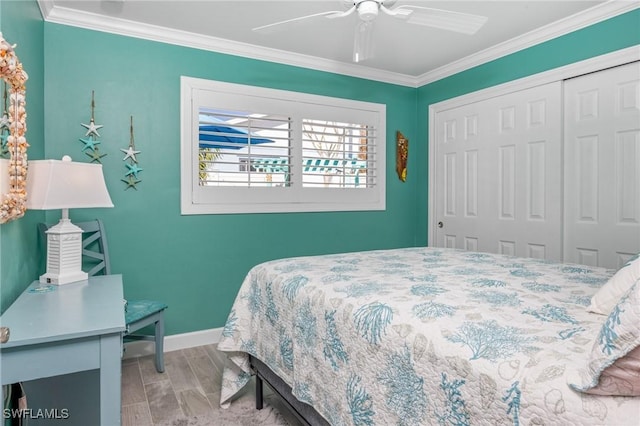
{"x": 423, "y": 336}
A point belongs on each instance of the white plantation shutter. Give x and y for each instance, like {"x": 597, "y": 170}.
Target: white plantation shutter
{"x": 248, "y": 149}
{"x": 244, "y": 149}
{"x": 338, "y": 155}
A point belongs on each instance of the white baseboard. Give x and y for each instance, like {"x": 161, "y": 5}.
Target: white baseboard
{"x": 174, "y": 342}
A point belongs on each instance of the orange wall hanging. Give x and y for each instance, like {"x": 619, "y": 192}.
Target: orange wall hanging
{"x": 402, "y": 152}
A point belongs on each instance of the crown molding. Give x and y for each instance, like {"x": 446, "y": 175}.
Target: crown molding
{"x": 556, "y": 29}
{"x": 46, "y": 6}
{"x": 72, "y": 17}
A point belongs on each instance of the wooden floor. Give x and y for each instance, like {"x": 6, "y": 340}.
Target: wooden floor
{"x": 189, "y": 386}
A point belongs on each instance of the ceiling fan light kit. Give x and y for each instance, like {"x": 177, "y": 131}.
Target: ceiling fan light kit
{"x": 368, "y": 11}
{"x": 363, "y": 42}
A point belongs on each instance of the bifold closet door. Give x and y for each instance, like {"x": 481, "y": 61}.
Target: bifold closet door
{"x": 498, "y": 174}
{"x": 602, "y": 166}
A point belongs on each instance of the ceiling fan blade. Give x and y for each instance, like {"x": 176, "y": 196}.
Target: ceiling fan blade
{"x": 277, "y": 26}
{"x": 464, "y": 23}
{"x": 343, "y": 14}
{"x": 363, "y": 41}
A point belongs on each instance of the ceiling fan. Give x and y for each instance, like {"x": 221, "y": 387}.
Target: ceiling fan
{"x": 368, "y": 10}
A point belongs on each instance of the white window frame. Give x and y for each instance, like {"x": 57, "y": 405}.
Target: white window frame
{"x": 197, "y": 199}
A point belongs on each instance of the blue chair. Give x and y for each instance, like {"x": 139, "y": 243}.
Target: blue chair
{"x": 138, "y": 313}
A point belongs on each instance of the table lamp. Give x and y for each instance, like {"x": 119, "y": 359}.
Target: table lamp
{"x": 64, "y": 184}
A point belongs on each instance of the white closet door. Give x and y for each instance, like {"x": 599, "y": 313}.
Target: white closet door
{"x": 602, "y": 166}
{"x": 498, "y": 174}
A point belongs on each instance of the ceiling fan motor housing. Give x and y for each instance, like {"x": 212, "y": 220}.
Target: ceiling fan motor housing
{"x": 368, "y": 10}
{"x": 347, "y": 4}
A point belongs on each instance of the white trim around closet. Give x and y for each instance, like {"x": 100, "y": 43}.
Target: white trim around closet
{"x": 616, "y": 58}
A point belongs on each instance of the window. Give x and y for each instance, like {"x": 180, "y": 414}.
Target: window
{"x": 248, "y": 149}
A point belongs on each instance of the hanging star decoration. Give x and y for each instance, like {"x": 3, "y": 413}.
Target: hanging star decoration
{"x": 131, "y": 153}
{"x": 133, "y": 170}
{"x": 90, "y": 141}
{"x": 131, "y": 176}
{"x": 96, "y": 156}
{"x": 92, "y": 128}
{"x": 4, "y": 127}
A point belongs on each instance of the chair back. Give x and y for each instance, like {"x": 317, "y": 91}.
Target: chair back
{"x": 95, "y": 252}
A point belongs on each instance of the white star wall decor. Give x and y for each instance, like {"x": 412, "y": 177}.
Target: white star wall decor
{"x": 92, "y": 128}
{"x": 90, "y": 141}
{"x": 131, "y": 153}
{"x": 131, "y": 176}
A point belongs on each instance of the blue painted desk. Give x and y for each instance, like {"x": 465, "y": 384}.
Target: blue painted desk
{"x": 76, "y": 327}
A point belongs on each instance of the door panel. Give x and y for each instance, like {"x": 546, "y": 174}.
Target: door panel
{"x": 498, "y": 173}
{"x": 602, "y": 158}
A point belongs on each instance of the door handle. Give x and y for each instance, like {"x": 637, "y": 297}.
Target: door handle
{"x": 440, "y": 224}
{"x": 4, "y": 334}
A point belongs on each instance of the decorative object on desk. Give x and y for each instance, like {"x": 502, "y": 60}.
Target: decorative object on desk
{"x": 5, "y": 333}
{"x": 402, "y": 154}
{"x": 55, "y": 184}
{"x": 131, "y": 176}
{"x": 13, "y": 170}
{"x": 90, "y": 139}
{"x": 42, "y": 289}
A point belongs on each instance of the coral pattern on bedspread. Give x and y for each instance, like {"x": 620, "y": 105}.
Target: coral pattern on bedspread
{"x": 423, "y": 336}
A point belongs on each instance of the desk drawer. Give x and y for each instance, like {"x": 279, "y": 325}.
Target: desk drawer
{"x": 49, "y": 359}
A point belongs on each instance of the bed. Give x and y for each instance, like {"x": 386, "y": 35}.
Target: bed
{"x": 430, "y": 336}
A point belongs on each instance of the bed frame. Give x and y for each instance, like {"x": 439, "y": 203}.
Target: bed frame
{"x": 303, "y": 412}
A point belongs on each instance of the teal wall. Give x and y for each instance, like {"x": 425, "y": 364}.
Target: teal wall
{"x": 21, "y": 24}
{"x": 197, "y": 263}
{"x": 607, "y": 36}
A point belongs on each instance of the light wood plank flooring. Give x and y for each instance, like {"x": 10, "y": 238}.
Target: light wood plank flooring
{"x": 189, "y": 386}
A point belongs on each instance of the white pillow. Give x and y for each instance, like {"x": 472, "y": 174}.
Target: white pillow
{"x": 612, "y": 367}
{"x": 606, "y": 298}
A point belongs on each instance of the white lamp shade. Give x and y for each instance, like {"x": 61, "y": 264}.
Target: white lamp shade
{"x": 64, "y": 184}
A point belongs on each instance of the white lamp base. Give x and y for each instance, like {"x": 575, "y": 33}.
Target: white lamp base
{"x": 64, "y": 254}
{"x": 59, "y": 279}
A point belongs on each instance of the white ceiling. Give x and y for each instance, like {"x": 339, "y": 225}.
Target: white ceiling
{"x": 404, "y": 53}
